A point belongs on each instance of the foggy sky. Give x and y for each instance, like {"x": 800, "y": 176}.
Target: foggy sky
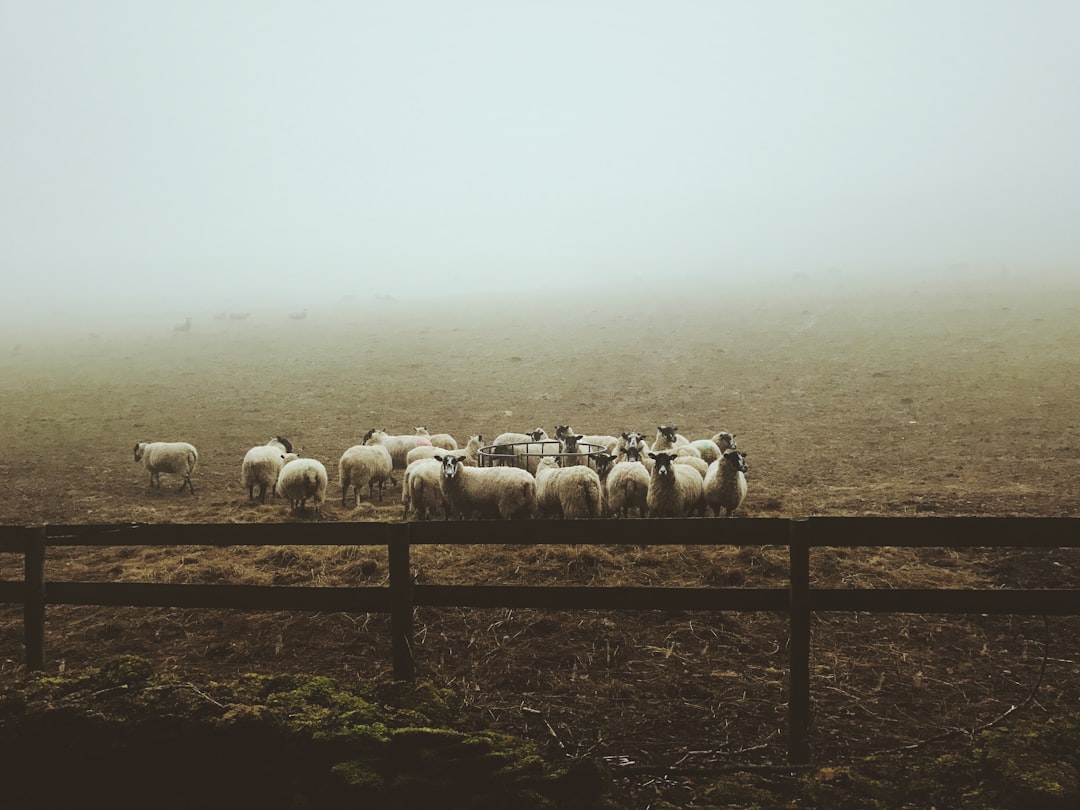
{"x": 212, "y": 153}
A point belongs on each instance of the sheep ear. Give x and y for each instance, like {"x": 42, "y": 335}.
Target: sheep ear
{"x": 652, "y": 455}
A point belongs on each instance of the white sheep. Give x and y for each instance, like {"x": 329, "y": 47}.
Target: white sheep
{"x": 421, "y": 490}
{"x": 725, "y": 441}
{"x": 628, "y": 488}
{"x": 696, "y": 462}
{"x": 567, "y": 492}
{"x": 509, "y": 449}
{"x": 300, "y": 479}
{"x": 675, "y": 490}
{"x": 470, "y": 452}
{"x": 170, "y": 457}
{"x": 707, "y": 449}
{"x": 261, "y": 466}
{"x": 632, "y": 446}
{"x": 364, "y": 464}
{"x": 398, "y": 446}
{"x": 443, "y": 440}
{"x": 602, "y": 442}
{"x": 725, "y": 483}
{"x": 509, "y": 492}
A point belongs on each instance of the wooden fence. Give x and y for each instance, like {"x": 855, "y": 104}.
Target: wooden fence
{"x": 799, "y": 600}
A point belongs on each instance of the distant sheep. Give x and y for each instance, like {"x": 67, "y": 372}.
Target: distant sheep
{"x": 725, "y": 483}
{"x": 421, "y": 491}
{"x": 603, "y": 442}
{"x": 675, "y": 490}
{"x": 506, "y": 492}
{"x": 443, "y": 440}
{"x": 470, "y": 452}
{"x": 509, "y": 449}
{"x": 364, "y": 465}
{"x": 179, "y": 458}
{"x": 261, "y": 466}
{"x": 572, "y": 492}
{"x": 301, "y": 479}
{"x": 668, "y": 437}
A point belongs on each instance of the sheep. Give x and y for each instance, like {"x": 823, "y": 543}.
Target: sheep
{"x": 262, "y": 464}
{"x": 601, "y": 441}
{"x": 299, "y": 315}
{"x": 696, "y": 462}
{"x": 507, "y": 447}
{"x": 362, "y": 464}
{"x": 725, "y": 441}
{"x": 509, "y": 492}
{"x": 631, "y": 446}
{"x": 667, "y": 437}
{"x": 708, "y": 450}
{"x": 725, "y": 483}
{"x": 675, "y": 490}
{"x": 470, "y": 452}
{"x": 300, "y": 479}
{"x": 183, "y": 327}
{"x": 399, "y": 446}
{"x": 170, "y": 457}
{"x": 626, "y": 484}
{"x": 443, "y": 440}
{"x": 421, "y": 491}
{"x": 567, "y": 492}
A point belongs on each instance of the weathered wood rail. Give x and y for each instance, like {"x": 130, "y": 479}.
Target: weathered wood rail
{"x": 399, "y": 598}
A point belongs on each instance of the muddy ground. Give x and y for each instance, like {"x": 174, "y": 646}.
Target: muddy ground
{"x": 943, "y": 398}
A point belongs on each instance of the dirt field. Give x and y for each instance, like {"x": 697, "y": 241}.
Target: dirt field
{"x": 951, "y": 398}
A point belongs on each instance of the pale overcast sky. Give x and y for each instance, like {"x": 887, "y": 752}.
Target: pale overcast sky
{"x": 303, "y": 150}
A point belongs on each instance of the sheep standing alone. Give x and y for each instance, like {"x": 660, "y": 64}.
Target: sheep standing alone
{"x": 567, "y": 492}
{"x": 725, "y": 483}
{"x": 170, "y": 457}
{"x": 421, "y": 491}
{"x": 675, "y": 490}
{"x": 364, "y": 465}
{"x": 508, "y": 492}
{"x": 261, "y": 466}
{"x": 300, "y": 479}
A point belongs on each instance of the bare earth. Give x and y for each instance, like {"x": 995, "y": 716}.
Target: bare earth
{"x": 946, "y": 399}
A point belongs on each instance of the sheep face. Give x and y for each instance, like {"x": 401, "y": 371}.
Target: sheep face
{"x": 140, "y": 448}
{"x": 736, "y": 459}
{"x": 537, "y": 434}
{"x": 562, "y": 431}
{"x": 449, "y": 466}
{"x": 603, "y": 462}
{"x": 663, "y": 463}
{"x": 669, "y": 432}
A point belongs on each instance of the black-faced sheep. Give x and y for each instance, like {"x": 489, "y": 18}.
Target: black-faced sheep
{"x": 179, "y": 458}
{"x": 725, "y": 482}
{"x": 506, "y": 492}
{"x": 675, "y": 490}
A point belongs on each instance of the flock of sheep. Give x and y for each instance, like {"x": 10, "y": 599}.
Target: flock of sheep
{"x": 518, "y": 475}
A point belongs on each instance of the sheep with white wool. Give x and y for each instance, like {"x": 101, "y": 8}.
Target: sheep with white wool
{"x": 696, "y": 462}
{"x": 510, "y": 449}
{"x": 301, "y": 479}
{"x": 572, "y": 492}
{"x": 470, "y": 452}
{"x": 261, "y": 466}
{"x": 668, "y": 437}
{"x": 601, "y": 441}
{"x": 725, "y": 483}
{"x": 178, "y": 458}
{"x": 626, "y": 484}
{"x": 506, "y": 492}
{"x": 443, "y": 440}
{"x": 421, "y": 490}
{"x": 675, "y": 490}
{"x": 365, "y": 465}
{"x": 397, "y": 445}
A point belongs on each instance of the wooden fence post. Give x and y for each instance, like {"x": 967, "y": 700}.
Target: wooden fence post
{"x": 401, "y": 601}
{"x": 799, "y": 693}
{"x": 34, "y": 604}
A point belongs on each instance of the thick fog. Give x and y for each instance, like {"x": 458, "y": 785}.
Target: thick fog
{"x": 202, "y": 157}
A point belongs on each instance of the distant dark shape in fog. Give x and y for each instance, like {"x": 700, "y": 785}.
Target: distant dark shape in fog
{"x": 203, "y": 158}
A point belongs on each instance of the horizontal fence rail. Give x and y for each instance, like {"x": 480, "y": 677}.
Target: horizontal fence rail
{"x": 402, "y": 595}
